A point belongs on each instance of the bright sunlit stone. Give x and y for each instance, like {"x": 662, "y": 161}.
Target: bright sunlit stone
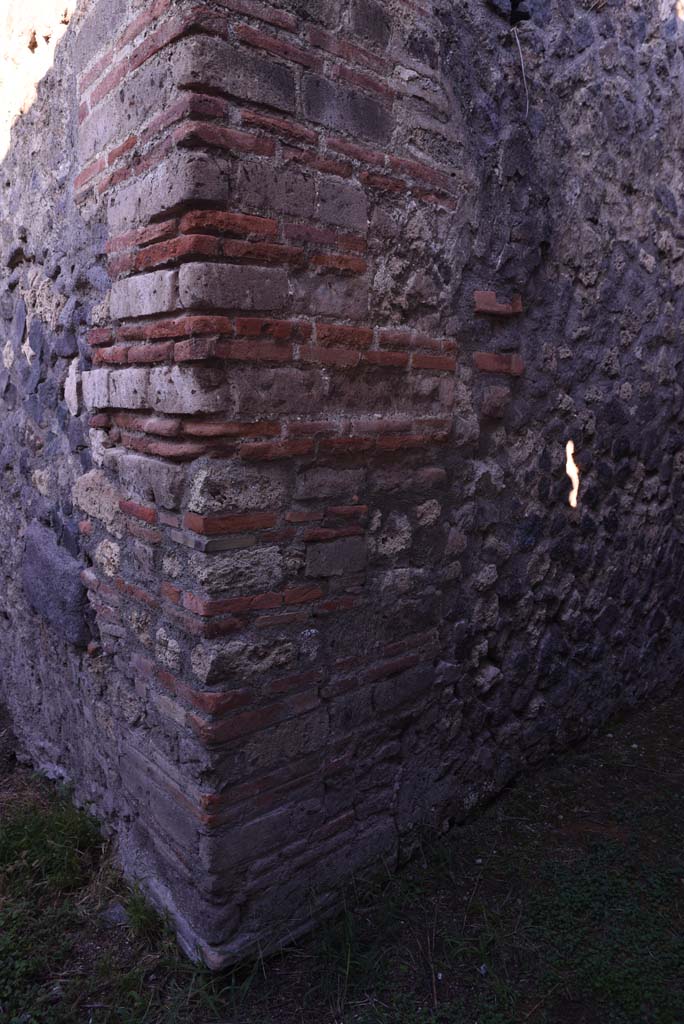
{"x": 30, "y": 32}
{"x": 573, "y": 472}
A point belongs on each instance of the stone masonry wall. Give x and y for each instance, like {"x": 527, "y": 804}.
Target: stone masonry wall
{"x": 300, "y": 307}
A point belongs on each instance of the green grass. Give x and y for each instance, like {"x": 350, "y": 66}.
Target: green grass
{"x": 560, "y": 903}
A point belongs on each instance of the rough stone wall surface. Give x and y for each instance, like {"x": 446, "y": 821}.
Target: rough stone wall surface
{"x": 300, "y": 308}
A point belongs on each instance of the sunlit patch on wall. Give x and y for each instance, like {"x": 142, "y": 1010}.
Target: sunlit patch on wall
{"x": 30, "y": 32}
{"x": 573, "y": 472}
{"x": 679, "y": 7}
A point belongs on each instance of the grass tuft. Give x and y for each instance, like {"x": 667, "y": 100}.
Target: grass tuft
{"x": 562, "y": 902}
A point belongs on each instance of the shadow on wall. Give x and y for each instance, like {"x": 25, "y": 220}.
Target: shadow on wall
{"x": 30, "y": 33}
{"x": 52, "y": 276}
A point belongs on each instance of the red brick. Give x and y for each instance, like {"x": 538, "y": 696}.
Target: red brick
{"x": 362, "y": 81}
{"x": 333, "y": 43}
{"x": 415, "y": 169}
{"x": 356, "y": 152}
{"x": 322, "y": 534}
{"x": 223, "y": 428}
{"x": 400, "y": 359}
{"x": 181, "y": 450}
{"x": 208, "y": 607}
{"x": 487, "y": 302}
{"x": 262, "y": 252}
{"x": 109, "y": 82}
{"x": 309, "y": 428}
{"x": 436, "y": 344}
{"x": 221, "y": 223}
{"x": 100, "y": 336}
{"x": 121, "y": 264}
{"x": 425, "y": 362}
{"x": 114, "y": 354}
{"x": 142, "y": 512}
{"x": 186, "y": 326}
{"x": 396, "y": 338}
{"x": 223, "y": 138}
{"x": 212, "y": 733}
{"x": 347, "y": 511}
{"x": 346, "y": 445}
{"x": 383, "y": 182}
{"x": 326, "y": 165}
{"x": 144, "y": 533}
{"x": 209, "y": 628}
{"x": 264, "y": 12}
{"x": 341, "y": 334}
{"x": 330, "y": 356}
{"x": 392, "y": 668}
{"x": 301, "y": 516}
{"x": 507, "y": 363}
{"x": 162, "y": 352}
{"x": 142, "y": 22}
{"x": 154, "y": 43}
{"x": 89, "y": 172}
{"x": 383, "y": 424}
{"x": 276, "y": 450}
{"x": 216, "y": 704}
{"x": 278, "y": 47}
{"x": 99, "y": 421}
{"x": 195, "y": 350}
{"x": 352, "y": 243}
{"x": 121, "y": 150}
{"x": 216, "y": 525}
{"x": 195, "y": 105}
{"x": 137, "y": 593}
{"x": 177, "y": 249}
{"x": 170, "y": 592}
{"x": 303, "y": 595}
{"x": 254, "y": 351}
{"x": 98, "y": 69}
{"x": 342, "y": 263}
{"x": 279, "y": 125}
{"x": 279, "y": 330}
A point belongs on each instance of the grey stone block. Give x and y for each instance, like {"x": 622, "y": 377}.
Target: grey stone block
{"x": 343, "y": 204}
{"x": 217, "y": 65}
{"x": 52, "y": 584}
{"x": 345, "y": 109}
{"x": 144, "y": 295}
{"x": 186, "y": 177}
{"x": 221, "y": 286}
{"x": 336, "y": 558}
{"x": 370, "y": 21}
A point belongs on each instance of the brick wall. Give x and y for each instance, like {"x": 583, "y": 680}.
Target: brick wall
{"x": 316, "y": 578}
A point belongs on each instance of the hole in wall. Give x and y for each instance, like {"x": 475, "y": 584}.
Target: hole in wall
{"x": 518, "y": 12}
{"x": 572, "y": 470}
